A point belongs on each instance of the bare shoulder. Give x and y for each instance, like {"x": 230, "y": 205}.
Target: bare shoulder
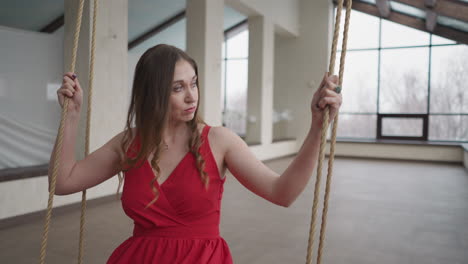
{"x": 222, "y": 132}
{"x": 115, "y": 144}
{"x": 223, "y": 138}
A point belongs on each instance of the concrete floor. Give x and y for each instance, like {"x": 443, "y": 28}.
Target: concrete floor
{"x": 383, "y": 212}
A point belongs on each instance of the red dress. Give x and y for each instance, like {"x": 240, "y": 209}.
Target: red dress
{"x": 182, "y": 226}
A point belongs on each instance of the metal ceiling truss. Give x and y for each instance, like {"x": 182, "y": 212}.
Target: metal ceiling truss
{"x": 433, "y": 8}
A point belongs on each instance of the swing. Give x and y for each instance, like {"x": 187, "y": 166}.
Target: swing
{"x": 321, "y": 152}
{"x": 60, "y": 134}
{"x": 323, "y": 140}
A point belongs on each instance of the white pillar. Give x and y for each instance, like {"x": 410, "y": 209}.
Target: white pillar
{"x": 110, "y": 90}
{"x": 303, "y": 62}
{"x": 260, "y": 91}
{"x": 204, "y": 43}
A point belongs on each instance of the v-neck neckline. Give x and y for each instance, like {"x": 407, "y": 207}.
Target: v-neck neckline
{"x": 178, "y": 164}
{"x": 173, "y": 171}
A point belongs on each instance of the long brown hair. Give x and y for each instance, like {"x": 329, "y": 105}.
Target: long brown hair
{"x": 148, "y": 111}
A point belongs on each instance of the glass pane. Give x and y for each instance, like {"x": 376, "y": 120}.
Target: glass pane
{"x": 396, "y": 35}
{"x": 368, "y": 1}
{"x": 357, "y": 126}
{"x": 436, "y": 40}
{"x": 363, "y": 31}
{"x": 404, "y": 80}
{"x": 402, "y": 127}
{"x": 359, "y": 81}
{"x": 407, "y": 10}
{"x": 449, "y": 79}
{"x": 452, "y": 23}
{"x": 238, "y": 45}
{"x": 453, "y": 128}
{"x": 236, "y": 95}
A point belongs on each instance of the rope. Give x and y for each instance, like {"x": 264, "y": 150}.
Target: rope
{"x": 88, "y": 130}
{"x": 333, "y": 139}
{"x": 326, "y": 116}
{"x": 60, "y": 136}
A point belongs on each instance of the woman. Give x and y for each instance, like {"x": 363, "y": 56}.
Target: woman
{"x": 175, "y": 164}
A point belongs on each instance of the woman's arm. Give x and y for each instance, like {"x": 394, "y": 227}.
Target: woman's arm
{"x": 76, "y": 176}
{"x": 285, "y": 188}
{"x": 295, "y": 178}
{"x": 72, "y": 175}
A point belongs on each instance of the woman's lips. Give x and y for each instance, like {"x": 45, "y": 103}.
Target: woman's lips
{"x": 191, "y": 110}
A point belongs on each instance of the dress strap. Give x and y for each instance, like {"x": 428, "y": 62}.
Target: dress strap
{"x": 205, "y": 131}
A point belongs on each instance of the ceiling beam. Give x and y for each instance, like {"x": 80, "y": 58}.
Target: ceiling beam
{"x": 155, "y": 30}
{"x": 413, "y": 22}
{"x": 430, "y": 3}
{"x": 384, "y": 7}
{"x": 449, "y": 8}
{"x": 431, "y": 20}
{"x": 54, "y": 25}
{"x": 59, "y": 22}
{"x": 431, "y": 15}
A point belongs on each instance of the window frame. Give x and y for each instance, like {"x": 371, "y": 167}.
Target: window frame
{"x": 229, "y": 33}
{"x": 380, "y": 114}
{"x": 425, "y": 127}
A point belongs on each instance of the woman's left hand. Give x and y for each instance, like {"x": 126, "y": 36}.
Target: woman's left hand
{"x": 326, "y": 95}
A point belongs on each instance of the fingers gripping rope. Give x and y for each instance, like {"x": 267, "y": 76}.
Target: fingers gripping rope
{"x": 60, "y": 135}
{"x": 324, "y": 140}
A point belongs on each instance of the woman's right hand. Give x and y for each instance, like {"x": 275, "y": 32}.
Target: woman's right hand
{"x": 71, "y": 89}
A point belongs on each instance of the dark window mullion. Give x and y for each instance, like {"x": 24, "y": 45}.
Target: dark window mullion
{"x": 378, "y": 75}
{"x": 426, "y": 124}
{"x": 449, "y": 114}
{"x": 400, "y": 47}
{"x": 424, "y": 117}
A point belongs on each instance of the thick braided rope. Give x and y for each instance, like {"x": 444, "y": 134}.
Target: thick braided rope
{"x": 88, "y": 130}
{"x": 323, "y": 141}
{"x": 53, "y": 182}
{"x": 333, "y": 138}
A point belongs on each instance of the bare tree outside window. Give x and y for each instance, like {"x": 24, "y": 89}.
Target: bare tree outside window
{"x": 449, "y": 79}
{"x": 235, "y": 76}
{"x": 449, "y": 95}
{"x": 427, "y": 80}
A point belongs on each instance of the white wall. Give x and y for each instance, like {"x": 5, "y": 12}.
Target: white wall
{"x": 30, "y": 195}
{"x": 36, "y": 56}
{"x": 30, "y": 73}
{"x": 30, "y": 62}
{"x": 133, "y": 58}
{"x": 301, "y": 63}
{"x": 400, "y": 151}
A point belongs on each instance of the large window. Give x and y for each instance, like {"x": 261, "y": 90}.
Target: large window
{"x": 235, "y": 78}
{"x": 402, "y": 83}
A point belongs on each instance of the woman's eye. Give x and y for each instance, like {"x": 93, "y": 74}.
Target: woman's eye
{"x": 194, "y": 85}
{"x": 177, "y": 88}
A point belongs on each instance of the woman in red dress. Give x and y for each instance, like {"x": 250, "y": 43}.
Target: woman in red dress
{"x": 174, "y": 164}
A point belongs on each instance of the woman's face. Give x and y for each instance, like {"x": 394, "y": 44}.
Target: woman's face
{"x": 184, "y": 94}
